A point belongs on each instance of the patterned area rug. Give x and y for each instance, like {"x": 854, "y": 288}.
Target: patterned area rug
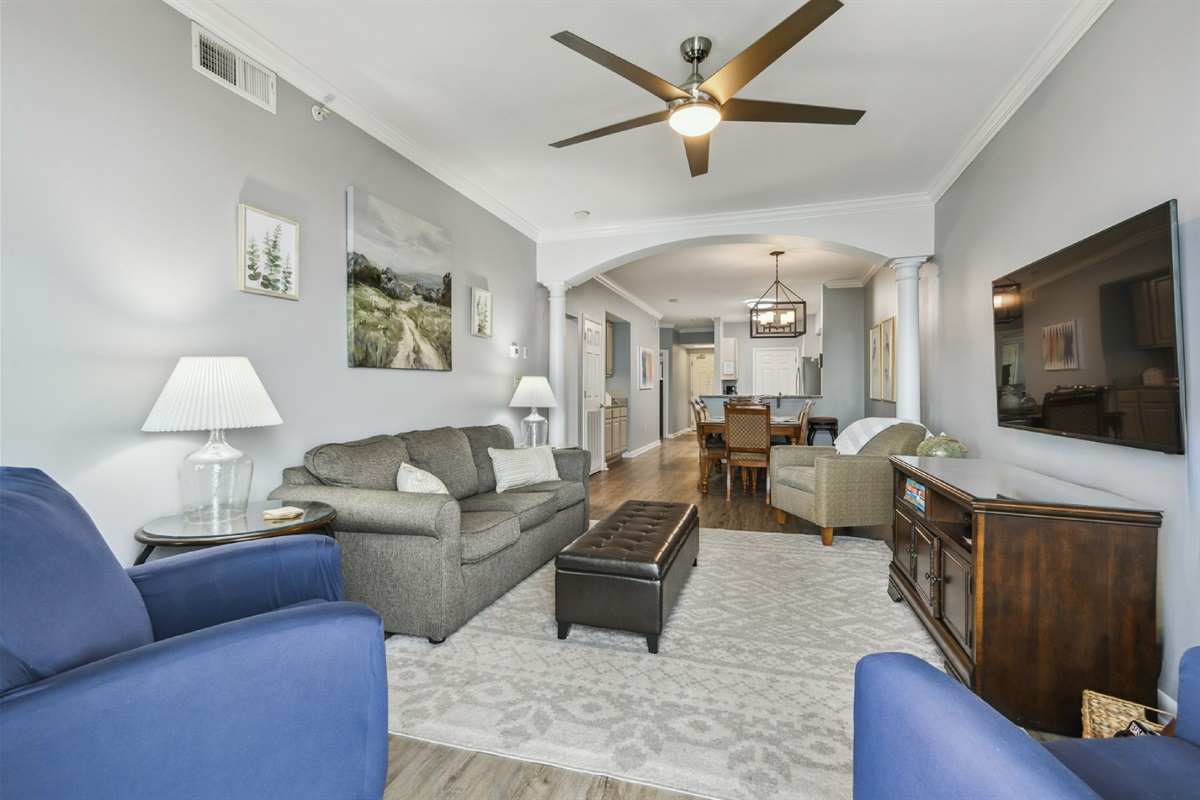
{"x": 750, "y": 695}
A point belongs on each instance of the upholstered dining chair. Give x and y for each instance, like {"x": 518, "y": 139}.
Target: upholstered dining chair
{"x": 747, "y": 444}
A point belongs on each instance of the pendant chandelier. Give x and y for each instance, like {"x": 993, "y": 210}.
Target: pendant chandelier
{"x": 779, "y": 313}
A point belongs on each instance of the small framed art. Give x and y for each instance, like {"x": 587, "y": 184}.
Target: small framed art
{"x": 481, "y": 312}
{"x": 268, "y": 253}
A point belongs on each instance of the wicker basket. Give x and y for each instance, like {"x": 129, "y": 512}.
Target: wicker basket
{"x": 1103, "y": 716}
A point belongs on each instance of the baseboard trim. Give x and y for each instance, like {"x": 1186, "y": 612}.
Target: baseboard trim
{"x": 640, "y": 450}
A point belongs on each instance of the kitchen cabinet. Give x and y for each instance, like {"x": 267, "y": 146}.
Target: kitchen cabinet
{"x": 1033, "y": 588}
{"x": 729, "y": 359}
{"x": 616, "y": 429}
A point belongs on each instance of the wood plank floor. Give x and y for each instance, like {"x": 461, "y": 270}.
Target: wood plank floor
{"x": 422, "y": 771}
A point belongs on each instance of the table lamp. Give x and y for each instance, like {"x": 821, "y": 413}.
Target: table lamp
{"x": 213, "y": 393}
{"x": 533, "y": 391}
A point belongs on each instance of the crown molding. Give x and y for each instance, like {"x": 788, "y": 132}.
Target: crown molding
{"x": 618, "y": 289}
{"x": 1058, "y": 44}
{"x": 744, "y": 217}
{"x": 226, "y": 25}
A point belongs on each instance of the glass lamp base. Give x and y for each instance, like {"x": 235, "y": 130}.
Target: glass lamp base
{"x": 534, "y": 430}
{"x": 214, "y": 481}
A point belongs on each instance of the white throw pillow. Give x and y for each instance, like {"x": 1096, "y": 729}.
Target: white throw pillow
{"x": 522, "y": 467}
{"x": 412, "y": 479}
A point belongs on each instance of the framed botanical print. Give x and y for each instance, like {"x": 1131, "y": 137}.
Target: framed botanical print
{"x": 481, "y": 312}
{"x": 873, "y": 363}
{"x": 268, "y": 253}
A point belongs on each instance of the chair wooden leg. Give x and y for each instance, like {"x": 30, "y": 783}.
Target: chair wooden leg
{"x": 780, "y": 516}
{"x": 729, "y": 485}
{"x": 827, "y": 537}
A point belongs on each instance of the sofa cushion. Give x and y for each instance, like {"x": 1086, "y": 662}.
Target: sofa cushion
{"x": 369, "y": 463}
{"x": 50, "y": 542}
{"x": 522, "y": 467}
{"x": 487, "y": 532}
{"x": 447, "y": 454}
{"x": 898, "y": 440}
{"x": 481, "y": 438}
{"x": 566, "y": 493}
{"x": 411, "y": 479}
{"x": 531, "y": 508}
{"x": 802, "y": 478}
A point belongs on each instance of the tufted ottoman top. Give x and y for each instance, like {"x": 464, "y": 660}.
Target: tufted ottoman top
{"x": 638, "y": 540}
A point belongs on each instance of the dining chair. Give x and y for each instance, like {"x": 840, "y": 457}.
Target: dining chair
{"x": 747, "y": 444}
{"x": 803, "y": 420}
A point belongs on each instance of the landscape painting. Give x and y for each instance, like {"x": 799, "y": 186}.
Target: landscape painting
{"x": 398, "y": 291}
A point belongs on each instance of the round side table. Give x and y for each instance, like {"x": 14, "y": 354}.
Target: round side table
{"x": 172, "y": 531}
{"x": 827, "y": 424}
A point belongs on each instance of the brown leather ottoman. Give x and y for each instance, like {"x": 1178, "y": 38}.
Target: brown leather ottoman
{"x": 627, "y": 571}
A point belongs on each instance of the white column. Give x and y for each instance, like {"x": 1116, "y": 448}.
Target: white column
{"x": 558, "y": 354}
{"x": 908, "y": 336}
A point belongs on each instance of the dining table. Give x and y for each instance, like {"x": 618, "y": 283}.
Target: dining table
{"x": 790, "y": 427}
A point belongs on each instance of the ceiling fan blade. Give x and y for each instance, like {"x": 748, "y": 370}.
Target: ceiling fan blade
{"x": 745, "y": 66}
{"x": 653, "y": 84}
{"x": 697, "y": 153}
{"x": 766, "y": 111}
{"x": 629, "y": 124}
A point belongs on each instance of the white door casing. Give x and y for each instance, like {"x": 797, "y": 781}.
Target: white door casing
{"x": 593, "y": 392}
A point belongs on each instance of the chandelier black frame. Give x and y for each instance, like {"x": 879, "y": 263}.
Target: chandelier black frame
{"x": 783, "y": 317}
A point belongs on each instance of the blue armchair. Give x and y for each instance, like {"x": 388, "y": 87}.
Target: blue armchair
{"x": 918, "y": 733}
{"x": 232, "y": 672}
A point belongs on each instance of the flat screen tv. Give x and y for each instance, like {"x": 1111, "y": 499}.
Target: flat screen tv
{"x": 1088, "y": 339}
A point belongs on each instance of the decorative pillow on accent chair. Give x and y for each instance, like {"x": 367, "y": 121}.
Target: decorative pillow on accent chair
{"x": 411, "y": 479}
{"x": 515, "y": 468}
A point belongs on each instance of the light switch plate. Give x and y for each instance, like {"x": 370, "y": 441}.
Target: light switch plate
{"x": 514, "y": 351}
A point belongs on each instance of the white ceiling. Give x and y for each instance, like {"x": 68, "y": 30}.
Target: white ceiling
{"x": 475, "y": 90}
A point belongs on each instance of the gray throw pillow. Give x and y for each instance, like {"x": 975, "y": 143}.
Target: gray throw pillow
{"x": 370, "y": 463}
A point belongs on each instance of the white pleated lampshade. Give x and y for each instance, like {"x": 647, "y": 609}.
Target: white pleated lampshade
{"x": 212, "y": 393}
{"x": 533, "y": 391}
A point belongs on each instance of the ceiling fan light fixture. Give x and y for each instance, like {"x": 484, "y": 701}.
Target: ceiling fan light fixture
{"x": 694, "y": 117}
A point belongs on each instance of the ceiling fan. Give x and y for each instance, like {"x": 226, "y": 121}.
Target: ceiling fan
{"x": 697, "y": 105}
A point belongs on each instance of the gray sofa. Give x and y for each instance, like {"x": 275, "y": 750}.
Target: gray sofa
{"x": 429, "y": 562}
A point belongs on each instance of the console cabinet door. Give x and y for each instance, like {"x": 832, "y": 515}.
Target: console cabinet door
{"x": 902, "y": 544}
{"x": 957, "y": 600}
{"x": 924, "y": 570}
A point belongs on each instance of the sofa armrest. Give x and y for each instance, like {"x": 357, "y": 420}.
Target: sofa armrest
{"x": 797, "y": 455}
{"x": 573, "y": 465}
{"x": 287, "y": 704}
{"x": 920, "y": 734}
{"x": 381, "y": 510}
{"x": 208, "y": 587}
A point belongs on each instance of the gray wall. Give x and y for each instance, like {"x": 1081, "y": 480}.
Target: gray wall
{"x": 1112, "y": 132}
{"x": 122, "y": 172}
{"x": 843, "y": 378}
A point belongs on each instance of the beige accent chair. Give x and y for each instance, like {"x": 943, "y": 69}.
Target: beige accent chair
{"x": 834, "y": 491}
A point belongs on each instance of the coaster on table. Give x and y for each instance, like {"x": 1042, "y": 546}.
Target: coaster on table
{"x": 280, "y": 514}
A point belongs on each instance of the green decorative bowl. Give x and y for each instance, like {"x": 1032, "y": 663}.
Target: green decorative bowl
{"x": 941, "y": 446}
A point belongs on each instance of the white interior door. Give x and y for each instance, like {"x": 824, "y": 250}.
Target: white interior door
{"x": 776, "y": 370}
{"x": 593, "y": 392}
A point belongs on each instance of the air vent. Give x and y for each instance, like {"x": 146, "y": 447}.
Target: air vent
{"x": 232, "y": 69}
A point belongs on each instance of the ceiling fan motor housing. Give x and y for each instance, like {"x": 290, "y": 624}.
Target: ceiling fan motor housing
{"x": 695, "y": 49}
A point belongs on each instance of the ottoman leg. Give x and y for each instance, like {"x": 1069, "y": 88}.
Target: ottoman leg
{"x": 652, "y": 643}
{"x": 564, "y": 628}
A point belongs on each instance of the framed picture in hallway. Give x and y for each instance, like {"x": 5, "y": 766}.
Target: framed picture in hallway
{"x": 873, "y": 363}
{"x": 645, "y": 368}
{"x": 481, "y": 312}
{"x": 887, "y": 360}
